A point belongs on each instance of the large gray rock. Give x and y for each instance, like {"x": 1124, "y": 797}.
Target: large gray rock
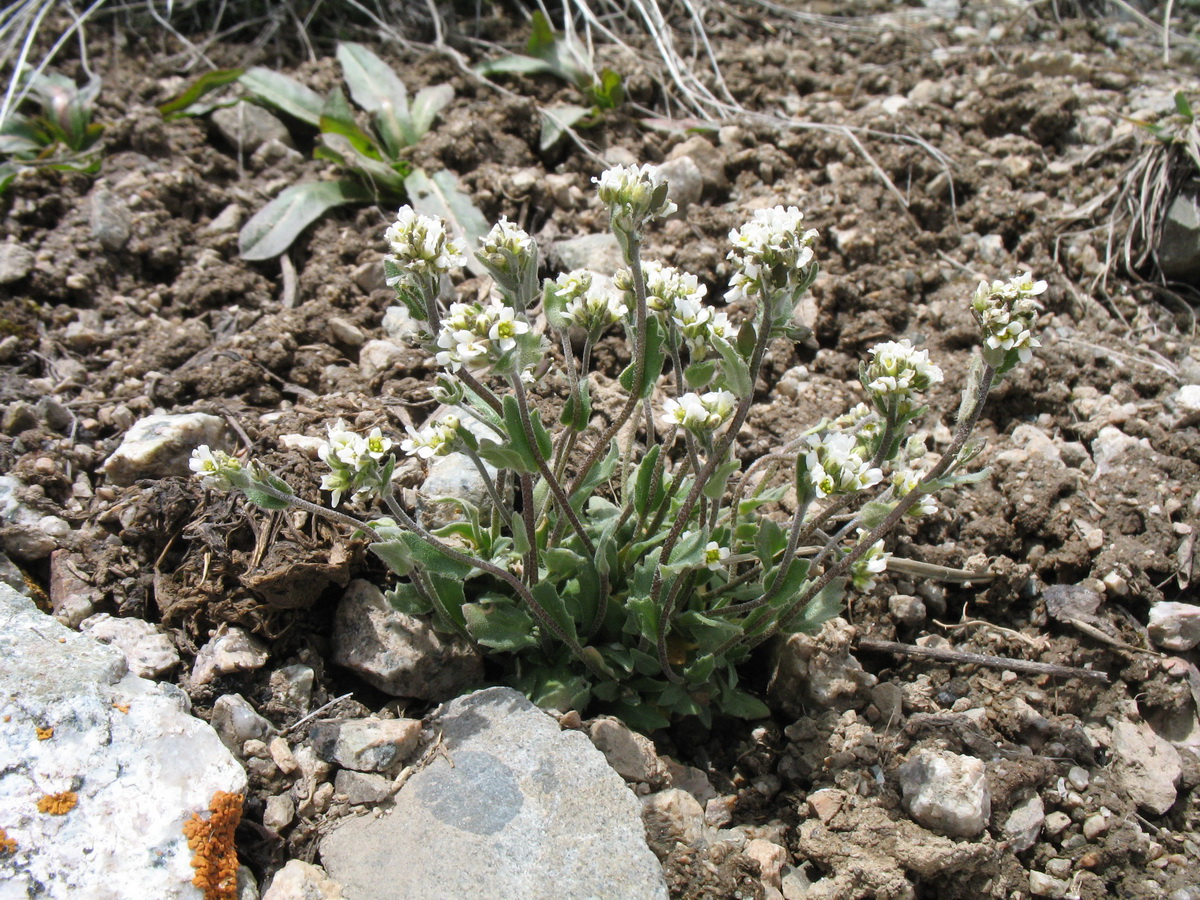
{"x": 598, "y": 252}
{"x": 397, "y": 653}
{"x": 1145, "y": 767}
{"x": 1179, "y": 246}
{"x": 248, "y": 127}
{"x": 515, "y": 807}
{"x": 158, "y": 446}
{"x": 116, "y": 761}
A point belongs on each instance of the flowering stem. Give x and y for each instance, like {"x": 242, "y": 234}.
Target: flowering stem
{"x": 966, "y": 425}
{"x": 497, "y": 500}
{"x": 317, "y": 509}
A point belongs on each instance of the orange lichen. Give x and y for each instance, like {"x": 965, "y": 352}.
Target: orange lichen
{"x": 44, "y": 734}
{"x": 58, "y": 804}
{"x": 121, "y": 707}
{"x": 7, "y": 844}
{"x": 211, "y": 841}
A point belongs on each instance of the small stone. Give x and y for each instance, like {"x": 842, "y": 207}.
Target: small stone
{"x": 685, "y": 182}
{"x": 907, "y": 609}
{"x": 1174, "y": 626}
{"x": 227, "y": 221}
{"x": 1043, "y": 885}
{"x": 160, "y": 446}
{"x": 946, "y": 792}
{"x": 293, "y": 686}
{"x": 690, "y": 779}
{"x": 1057, "y": 823}
{"x": 1078, "y": 778}
{"x": 299, "y": 880}
{"x": 718, "y": 811}
{"x": 361, "y": 788}
{"x": 709, "y": 160}
{"x": 343, "y": 331}
{"x": 279, "y": 812}
{"x": 455, "y": 476}
{"x": 1145, "y": 766}
{"x": 1024, "y": 824}
{"x": 892, "y": 105}
{"x": 991, "y": 250}
{"x": 672, "y": 817}
{"x": 400, "y": 654}
{"x": 15, "y": 262}
{"x": 247, "y": 127}
{"x": 771, "y": 859}
{"x": 1094, "y": 826}
{"x": 819, "y": 669}
{"x": 1186, "y": 404}
{"x": 1179, "y": 244}
{"x": 367, "y": 745}
{"x": 110, "y": 220}
{"x": 631, "y": 755}
{"x": 826, "y": 803}
{"x": 149, "y": 652}
{"x": 379, "y": 357}
{"x": 282, "y": 756}
{"x": 18, "y": 416}
{"x": 236, "y": 721}
{"x": 598, "y": 252}
{"x": 231, "y": 650}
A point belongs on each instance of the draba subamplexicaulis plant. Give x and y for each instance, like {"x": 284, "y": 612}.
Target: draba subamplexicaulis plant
{"x": 632, "y": 559}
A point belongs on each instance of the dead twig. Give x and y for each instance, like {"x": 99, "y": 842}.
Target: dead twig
{"x": 958, "y": 657}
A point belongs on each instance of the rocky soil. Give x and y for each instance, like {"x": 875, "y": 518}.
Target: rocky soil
{"x": 931, "y": 148}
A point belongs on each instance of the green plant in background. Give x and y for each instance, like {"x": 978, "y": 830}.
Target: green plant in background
{"x": 564, "y": 57}
{"x": 637, "y": 563}
{"x": 59, "y": 135}
{"x": 373, "y": 156}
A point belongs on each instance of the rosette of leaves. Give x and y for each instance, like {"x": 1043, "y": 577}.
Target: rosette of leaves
{"x": 548, "y": 52}
{"x": 59, "y": 134}
{"x": 370, "y": 152}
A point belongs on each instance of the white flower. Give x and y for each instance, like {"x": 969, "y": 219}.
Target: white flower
{"x": 836, "y": 465}
{"x": 213, "y": 467}
{"x": 505, "y": 327}
{"x": 377, "y": 445}
{"x": 665, "y": 286}
{"x": 432, "y": 440}
{"x": 593, "y": 306}
{"x": 700, "y": 414}
{"x": 907, "y": 480}
{"x": 870, "y": 564}
{"x": 506, "y": 243}
{"x": 720, "y": 406}
{"x": 421, "y": 246}
{"x": 897, "y": 369}
{"x": 633, "y": 195}
{"x": 343, "y": 447}
{"x": 338, "y": 482}
{"x": 1006, "y": 312}
{"x": 715, "y": 556}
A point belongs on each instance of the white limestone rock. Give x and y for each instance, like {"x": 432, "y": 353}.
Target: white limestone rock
{"x": 138, "y": 765}
{"x": 160, "y": 446}
{"x": 148, "y": 652}
{"x": 946, "y": 792}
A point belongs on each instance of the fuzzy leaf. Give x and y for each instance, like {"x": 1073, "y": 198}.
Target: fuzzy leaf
{"x": 557, "y": 119}
{"x": 284, "y": 93}
{"x": 425, "y": 106}
{"x": 277, "y": 225}
{"x": 181, "y": 104}
{"x": 500, "y": 626}
{"x": 372, "y": 82}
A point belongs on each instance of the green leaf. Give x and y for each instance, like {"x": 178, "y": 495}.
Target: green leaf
{"x": 395, "y": 555}
{"x": 383, "y": 177}
{"x": 874, "y": 512}
{"x": 600, "y": 473}
{"x": 178, "y": 106}
{"x": 609, "y": 91}
{"x": 742, "y": 705}
{"x": 520, "y": 534}
{"x": 405, "y": 598}
{"x": 769, "y": 542}
{"x": 642, "y": 501}
{"x": 699, "y": 374}
{"x": 793, "y": 581}
{"x": 425, "y": 106}
{"x": 687, "y": 554}
{"x": 277, "y": 225}
{"x": 442, "y": 196}
{"x": 500, "y": 626}
{"x": 518, "y": 439}
{"x": 645, "y": 615}
{"x": 542, "y": 39}
{"x": 504, "y": 457}
{"x": 1182, "y": 106}
{"x": 338, "y": 118}
{"x": 656, "y": 354}
{"x": 557, "y": 119}
{"x": 577, "y": 411}
{"x": 734, "y": 370}
{"x": 8, "y": 171}
{"x": 546, "y": 594}
{"x": 820, "y": 609}
{"x": 372, "y": 82}
{"x": 264, "y": 500}
{"x": 516, "y": 64}
{"x": 284, "y": 93}
{"x": 449, "y": 599}
{"x": 708, "y": 633}
{"x": 433, "y": 560}
{"x": 746, "y": 339}
{"x": 714, "y": 488}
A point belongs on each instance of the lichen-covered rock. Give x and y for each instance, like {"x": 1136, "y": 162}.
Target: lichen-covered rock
{"x": 99, "y": 765}
{"x": 299, "y": 880}
{"x": 367, "y": 745}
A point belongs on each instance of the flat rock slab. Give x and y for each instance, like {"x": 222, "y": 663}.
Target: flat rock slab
{"x": 515, "y": 808}
{"x": 99, "y": 769}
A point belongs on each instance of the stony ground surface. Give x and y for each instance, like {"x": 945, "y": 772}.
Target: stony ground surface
{"x": 123, "y": 296}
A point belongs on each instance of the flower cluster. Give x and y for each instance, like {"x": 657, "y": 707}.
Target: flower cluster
{"x": 508, "y": 252}
{"x": 897, "y": 371}
{"x": 1006, "y": 312}
{"x": 634, "y": 194}
{"x": 420, "y": 247}
{"x": 214, "y": 467}
{"x": 700, "y": 413}
{"x": 478, "y": 336}
{"x": 436, "y": 439}
{"x": 769, "y": 250}
{"x": 354, "y": 461}
{"x": 587, "y": 303}
{"x": 679, "y": 296}
{"x": 862, "y": 422}
{"x": 837, "y": 464}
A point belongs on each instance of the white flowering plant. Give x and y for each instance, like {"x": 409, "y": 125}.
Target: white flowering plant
{"x": 627, "y": 556}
